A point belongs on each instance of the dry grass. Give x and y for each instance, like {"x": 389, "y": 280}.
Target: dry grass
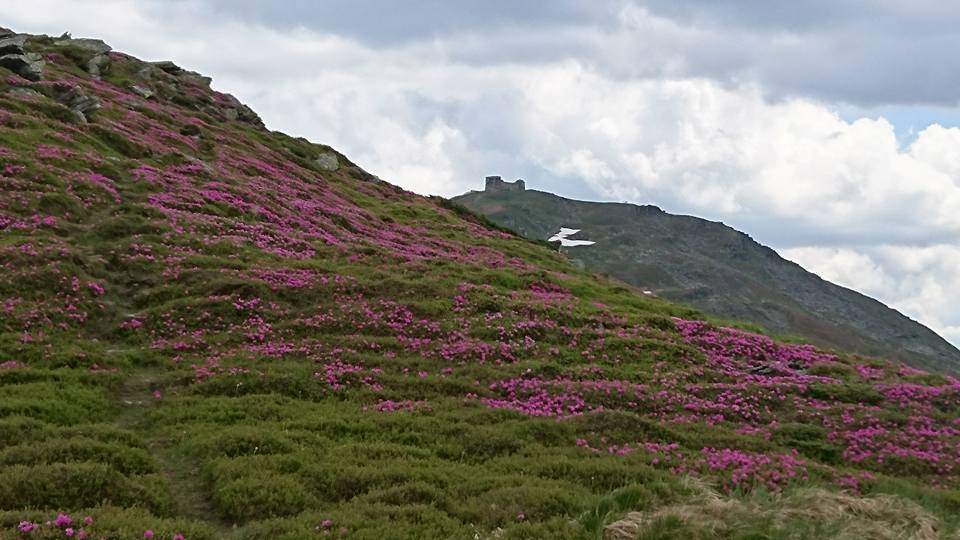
{"x": 803, "y": 513}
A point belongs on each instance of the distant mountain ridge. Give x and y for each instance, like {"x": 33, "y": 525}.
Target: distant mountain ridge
{"x": 719, "y": 270}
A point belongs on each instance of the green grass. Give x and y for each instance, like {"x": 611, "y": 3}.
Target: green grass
{"x": 192, "y": 422}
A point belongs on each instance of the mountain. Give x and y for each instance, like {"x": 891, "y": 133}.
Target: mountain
{"x": 210, "y": 330}
{"x": 719, "y": 270}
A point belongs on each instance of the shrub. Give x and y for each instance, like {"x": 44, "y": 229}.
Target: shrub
{"x": 123, "y": 459}
{"x": 846, "y": 393}
{"x": 76, "y": 485}
{"x": 260, "y": 497}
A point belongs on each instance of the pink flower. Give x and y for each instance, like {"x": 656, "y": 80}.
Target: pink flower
{"x": 178, "y": 536}
{"x": 327, "y": 523}
{"x": 68, "y": 531}
{"x": 148, "y": 533}
{"x": 88, "y": 520}
{"x": 27, "y": 526}
{"x": 62, "y": 519}
{"x": 157, "y": 395}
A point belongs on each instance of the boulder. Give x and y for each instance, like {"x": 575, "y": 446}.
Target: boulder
{"x": 95, "y": 46}
{"x": 12, "y": 44}
{"x": 29, "y": 65}
{"x": 145, "y": 93}
{"x": 99, "y": 60}
{"x": 81, "y": 104}
{"x": 197, "y": 78}
{"x": 167, "y": 66}
{"x": 246, "y": 114}
{"x": 19, "y": 91}
{"x": 98, "y": 65}
{"x": 327, "y": 161}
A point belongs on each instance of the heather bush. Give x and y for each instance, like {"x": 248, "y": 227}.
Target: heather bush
{"x": 261, "y": 496}
{"x": 121, "y": 458}
{"x": 204, "y": 331}
{"x": 846, "y": 393}
{"x": 77, "y": 485}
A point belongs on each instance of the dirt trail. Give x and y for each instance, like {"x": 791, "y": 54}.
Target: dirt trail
{"x": 135, "y": 398}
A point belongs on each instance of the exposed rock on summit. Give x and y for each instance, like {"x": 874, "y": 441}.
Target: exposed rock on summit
{"x": 96, "y": 64}
{"x": 13, "y": 57}
{"x": 327, "y": 161}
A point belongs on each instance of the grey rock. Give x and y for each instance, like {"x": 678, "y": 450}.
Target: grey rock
{"x": 98, "y": 65}
{"x": 231, "y": 114}
{"x": 167, "y": 67}
{"x": 95, "y": 46}
{"x": 12, "y": 44}
{"x": 82, "y": 105}
{"x": 148, "y": 72}
{"x": 327, "y": 161}
{"x": 24, "y": 92}
{"x": 29, "y": 66}
{"x": 762, "y": 370}
{"x": 202, "y": 80}
{"x": 145, "y": 93}
{"x": 246, "y": 114}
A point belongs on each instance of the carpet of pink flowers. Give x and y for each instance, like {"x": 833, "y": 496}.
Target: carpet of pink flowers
{"x": 258, "y": 291}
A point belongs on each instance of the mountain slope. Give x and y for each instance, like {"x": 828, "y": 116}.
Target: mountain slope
{"x": 721, "y": 271}
{"x": 210, "y": 330}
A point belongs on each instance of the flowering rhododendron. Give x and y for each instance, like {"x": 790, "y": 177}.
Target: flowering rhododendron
{"x": 318, "y": 340}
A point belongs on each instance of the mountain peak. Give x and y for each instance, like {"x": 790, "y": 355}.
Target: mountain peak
{"x": 721, "y": 271}
{"x": 210, "y": 330}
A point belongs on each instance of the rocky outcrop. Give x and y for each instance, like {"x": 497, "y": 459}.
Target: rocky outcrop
{"x": 82, "y": 105}
{"x": 99, "y": 62}
{"x": 163, "y": 80}
{"x": 166, "y": 80}
{"x": 145, "y": 93}
{"x": 234, "y": 110}
{"x": 327, "y": 161}
{"x": 16, "y": 59}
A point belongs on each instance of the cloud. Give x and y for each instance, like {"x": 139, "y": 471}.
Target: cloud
{"x": 918, "y": 281}
{"x": 708, "y": 109}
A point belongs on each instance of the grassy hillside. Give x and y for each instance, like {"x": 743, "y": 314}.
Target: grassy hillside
{"x": 721, "y": 271}
{"x": 209, "y": 330}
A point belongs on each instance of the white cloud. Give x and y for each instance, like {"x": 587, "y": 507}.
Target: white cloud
{"x": 919, "y": 281}
{"x": 433, "y": 116}
{"x": 842, "y": 266}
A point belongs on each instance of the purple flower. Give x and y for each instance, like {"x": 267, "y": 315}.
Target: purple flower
{"x": 62, "y": 519}
{"x": 27, "y": 526}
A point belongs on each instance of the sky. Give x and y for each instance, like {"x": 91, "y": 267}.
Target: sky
{"x": 826, "y": 129}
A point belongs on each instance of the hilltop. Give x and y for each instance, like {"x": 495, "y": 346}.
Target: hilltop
{"x": 212, "y": 330}
{"x": 719, "y": 270}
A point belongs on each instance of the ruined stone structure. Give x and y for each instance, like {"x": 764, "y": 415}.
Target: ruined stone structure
{"x": 495, "y": 183}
